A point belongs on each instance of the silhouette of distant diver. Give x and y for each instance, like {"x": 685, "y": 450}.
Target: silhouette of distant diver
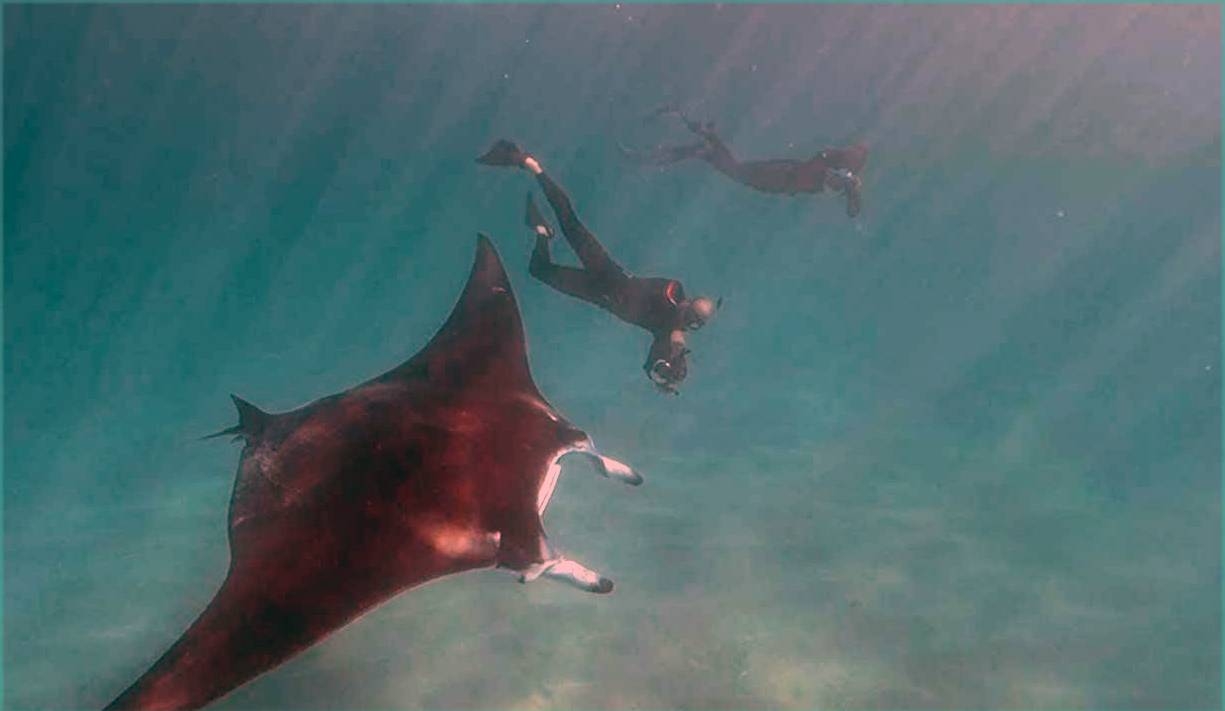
{"x": 838, "y": 169}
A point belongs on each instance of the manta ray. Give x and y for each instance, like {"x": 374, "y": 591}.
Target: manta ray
{"x": 441, "y": 465}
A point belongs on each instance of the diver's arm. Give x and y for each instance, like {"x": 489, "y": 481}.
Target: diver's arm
{"x": 665, "y": 365}
{"x": 854, "y": 203}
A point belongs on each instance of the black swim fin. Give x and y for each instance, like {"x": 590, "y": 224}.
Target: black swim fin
{"x": 503, "y": 153}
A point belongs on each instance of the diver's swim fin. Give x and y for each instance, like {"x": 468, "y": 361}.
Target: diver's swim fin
{"x": 503, "y": 153}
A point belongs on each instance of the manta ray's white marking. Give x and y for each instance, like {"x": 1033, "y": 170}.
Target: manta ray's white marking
{"x": 567, "y": 571}
{"x": 606, "y": 466}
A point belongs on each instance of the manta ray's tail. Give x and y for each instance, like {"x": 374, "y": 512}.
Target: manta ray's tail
{"x": 251, "y": 421}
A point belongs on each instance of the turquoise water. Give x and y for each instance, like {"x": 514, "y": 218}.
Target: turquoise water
{"x": 961, "y": 453}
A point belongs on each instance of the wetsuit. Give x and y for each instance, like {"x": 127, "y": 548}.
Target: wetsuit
{"x": 786, "y": 176}
{"x": 651, "y": 303}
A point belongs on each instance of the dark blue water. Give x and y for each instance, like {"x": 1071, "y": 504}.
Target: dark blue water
{"x": 962, "y": 452}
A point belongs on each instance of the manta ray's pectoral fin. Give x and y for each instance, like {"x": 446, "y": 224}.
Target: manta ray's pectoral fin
{"x": 567, "y": 571}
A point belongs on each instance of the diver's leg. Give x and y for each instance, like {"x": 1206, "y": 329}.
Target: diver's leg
{"x": 578, "y": 283}
{"x": 589, "y": 250}
{"x": 694, "y": 126}
{"x": 715, "y": 151}
{"x": 665, "y": 155}
{"x": 533, "y": 219}
{"x": 720, "y": 156}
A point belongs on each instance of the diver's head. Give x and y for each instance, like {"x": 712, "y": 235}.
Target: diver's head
{"x": 843, "y": 180}
{"x": 700, "y": 310}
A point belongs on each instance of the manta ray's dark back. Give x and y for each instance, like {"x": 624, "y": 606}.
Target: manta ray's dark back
{"x": 430, "y": 469}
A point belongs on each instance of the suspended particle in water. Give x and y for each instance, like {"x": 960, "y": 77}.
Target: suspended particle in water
{"x": 1060, "y": 213}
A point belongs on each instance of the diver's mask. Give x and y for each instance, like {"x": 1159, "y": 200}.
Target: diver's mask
{"x": 666, "y": 375}
{"x": 842, "y": 179}
{"x": 658, "y": 372}
{"x": 694, "y": 322}
{"x": 658, "y": 375}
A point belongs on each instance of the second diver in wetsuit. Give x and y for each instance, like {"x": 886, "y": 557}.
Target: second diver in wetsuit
{"x": 838, "y": 169}
{"x": 658, "y": 305}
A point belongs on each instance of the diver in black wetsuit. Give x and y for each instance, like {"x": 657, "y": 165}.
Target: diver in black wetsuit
{"x": 838, "y": 169}
{"x": 656, "y": 304}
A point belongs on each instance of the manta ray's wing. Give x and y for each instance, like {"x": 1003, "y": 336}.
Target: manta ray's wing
{"x": 267, "y": 611}
{"x": 477, "y": 359}
{"x": 433, "y": 468}
{"x": 482, "y": 342}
